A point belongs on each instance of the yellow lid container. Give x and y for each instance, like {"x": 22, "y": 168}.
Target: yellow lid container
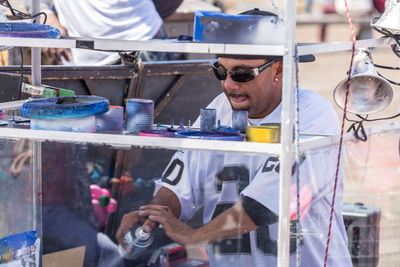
{"x": 264, "y": 134}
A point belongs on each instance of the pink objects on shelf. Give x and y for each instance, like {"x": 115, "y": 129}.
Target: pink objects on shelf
{"x": 102, "y": 202}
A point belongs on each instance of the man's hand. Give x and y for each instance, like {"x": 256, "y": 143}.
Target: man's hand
{"x": 127, "y": 223}
{"x": 56, "y": 53}
{"x": 164, "y": 197}
{"x": 173, "y": 227}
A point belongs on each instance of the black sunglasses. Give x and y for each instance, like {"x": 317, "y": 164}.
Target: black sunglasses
{"x": 240, "y": 76}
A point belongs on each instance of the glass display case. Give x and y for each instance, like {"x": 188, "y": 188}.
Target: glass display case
{"x": 50, "y": 178}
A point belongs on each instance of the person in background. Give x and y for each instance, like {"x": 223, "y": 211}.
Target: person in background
{"x": 239, "y": 193}
{"x": 125, "y": 20}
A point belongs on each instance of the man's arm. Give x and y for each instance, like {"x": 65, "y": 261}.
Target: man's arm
{"x": 232, "y": 222}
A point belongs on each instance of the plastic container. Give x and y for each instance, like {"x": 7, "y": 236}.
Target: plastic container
{"x": 68, "y": 113}
{"x": 111, "y": 121}
{"x": 28, "y": 30}
{"x": 212, "y": 135}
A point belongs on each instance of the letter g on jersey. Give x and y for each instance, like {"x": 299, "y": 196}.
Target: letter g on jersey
{"x": 271, "y": 164}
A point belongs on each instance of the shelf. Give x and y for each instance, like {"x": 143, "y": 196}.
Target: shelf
{"x": 319, "y": 48}
{"x": 153, "y": 45}
{"x": 189, "y": 47}
{"x": 127, "y": 141}
{"x": 320, "y": 142}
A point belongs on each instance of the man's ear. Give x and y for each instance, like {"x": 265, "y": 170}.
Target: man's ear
{"x": 278, "y": 68}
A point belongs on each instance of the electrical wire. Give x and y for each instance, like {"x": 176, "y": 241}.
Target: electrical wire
{"x": 358, "y": 127}
{"x": 39, "y": 14}
{"x": 386, "y": 67}
{"x": 21, "y": 15}
{"x": 341, "y": 132}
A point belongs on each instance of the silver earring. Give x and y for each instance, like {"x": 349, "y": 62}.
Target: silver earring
{"x": 276, "y": 79}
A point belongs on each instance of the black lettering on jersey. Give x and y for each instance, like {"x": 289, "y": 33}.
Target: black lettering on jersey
{"x": 177, "y": 163}
{"x": 239, "y": 244}
{"x": 264, "y": 242}
{"x": 269, "y": 247}
{"x": 270, "y": 164}
{"x": 239, "y": 173}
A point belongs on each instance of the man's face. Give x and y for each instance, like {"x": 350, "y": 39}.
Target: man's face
{"x": 259, "y": 96}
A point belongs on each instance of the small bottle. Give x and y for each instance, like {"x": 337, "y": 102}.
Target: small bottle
{"x": 137, "y": 241}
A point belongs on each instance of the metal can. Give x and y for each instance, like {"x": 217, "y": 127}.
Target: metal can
{"x": 207, "y": 119}
{"x": 239, "y": 120}
{"x": 111, "y": 121}
{"x": 139, "y": 114}
{"x": 136, "y": 241}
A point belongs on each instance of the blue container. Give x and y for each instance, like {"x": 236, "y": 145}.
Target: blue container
{"x": 111, "y": 121}
{"x": 68, "y": 113}
{"x": 28, "y": 30}
{"x": 211, "y": 135}
{"x": 215, "y": 27}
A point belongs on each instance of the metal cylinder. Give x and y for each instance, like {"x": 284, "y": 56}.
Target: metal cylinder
{"x": 239, "y": 120}
{"x": 136, "y": 241}
{"x": 110, "y": 121}
{"x": 139, "y": 114}
{"x": 208, "y": 118}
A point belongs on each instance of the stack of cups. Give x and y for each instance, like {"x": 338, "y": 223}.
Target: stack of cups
{"x": 139, "y": 114}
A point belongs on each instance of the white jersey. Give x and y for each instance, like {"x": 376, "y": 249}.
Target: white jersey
{"x": 216, "y": 180}
{"x": 111, "y": 19}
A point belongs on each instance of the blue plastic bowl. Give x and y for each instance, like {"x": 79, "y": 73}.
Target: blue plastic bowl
{"x": 212, "y": 135}
{"x": 28, "y": 30}
{"x": 66, "y": 107}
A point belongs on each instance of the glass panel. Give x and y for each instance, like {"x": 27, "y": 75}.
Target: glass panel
{"x": 19, "y": 242}
{"x": 87, "y": 189}
{"x": 372, "y": 192}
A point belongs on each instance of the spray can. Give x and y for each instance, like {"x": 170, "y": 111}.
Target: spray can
{"x": 137, "y": 241}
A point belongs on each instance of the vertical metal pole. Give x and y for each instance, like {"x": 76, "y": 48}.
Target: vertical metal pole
{"x": 286, "y": 135}
{"x": 36, "y": 57}
{"x": 37, "y": 186}
{"x": 37, "y": 146}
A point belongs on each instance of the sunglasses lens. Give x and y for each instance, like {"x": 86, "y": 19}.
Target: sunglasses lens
{"x": 220, "y": 74}
{"x": 242, "y": 76}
